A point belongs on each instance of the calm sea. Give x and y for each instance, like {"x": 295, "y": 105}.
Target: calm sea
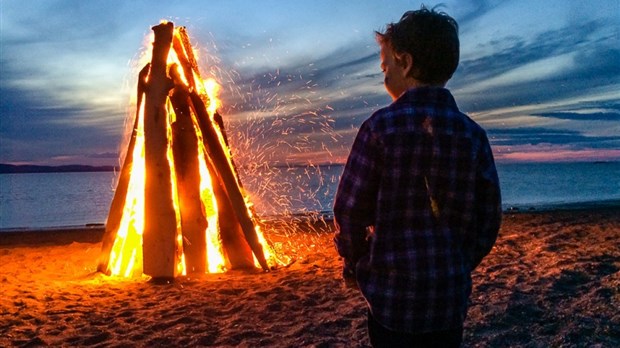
{"x": 31, "y": 201}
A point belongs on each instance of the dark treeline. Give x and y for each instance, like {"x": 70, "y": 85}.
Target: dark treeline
{"x": 11, "y": 169}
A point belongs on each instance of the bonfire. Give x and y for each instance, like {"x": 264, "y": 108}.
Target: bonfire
{"x": 179, "y": 206}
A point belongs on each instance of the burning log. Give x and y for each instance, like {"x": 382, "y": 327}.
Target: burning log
{"x": 238, "y": 252}
{"x": 189, "y": 183}
{"x": 225, "y": 170}
{"x": 160, "y": 231}
{"x": 236, "y": 249}
{"x": 185, "y": 154}
{"x": 118, "y": 202}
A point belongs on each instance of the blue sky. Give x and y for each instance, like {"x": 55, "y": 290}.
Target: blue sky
{"x": 299, "y": 77}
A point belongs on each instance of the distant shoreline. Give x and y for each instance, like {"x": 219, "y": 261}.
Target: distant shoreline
{"x": 74, "y": 168}
{"x": 77, "y": 168}
{"x": 570, "y": 206}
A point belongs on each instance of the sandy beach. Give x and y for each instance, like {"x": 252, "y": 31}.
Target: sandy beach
{"x": 552, "y": 280}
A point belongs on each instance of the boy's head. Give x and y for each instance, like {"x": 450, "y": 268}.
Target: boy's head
{"x": 430, "y": 38}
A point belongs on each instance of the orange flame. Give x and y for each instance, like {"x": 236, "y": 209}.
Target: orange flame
{"x": 126, "y": 253}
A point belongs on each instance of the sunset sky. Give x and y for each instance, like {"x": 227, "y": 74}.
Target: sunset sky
{"x": 299, "y": 77}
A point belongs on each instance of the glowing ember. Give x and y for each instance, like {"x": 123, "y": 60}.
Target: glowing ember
{"x": 211, "y": 216}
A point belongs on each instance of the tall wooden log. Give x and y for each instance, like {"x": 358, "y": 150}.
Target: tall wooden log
{"x": 219, "y": 121}
{"x": 183, "y": 49}
{"x": 185, "y": 154}
{"x": 228, "y": 177}
{"x": 237, "y": 251}
{"x": 160, "y": 252}
{"x": 235, "y": 246}
{"x": 118, "y": 201}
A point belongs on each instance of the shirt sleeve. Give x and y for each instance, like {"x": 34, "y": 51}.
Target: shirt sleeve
{"x": 488, "y": 205}
{"x": 355, "y": 202}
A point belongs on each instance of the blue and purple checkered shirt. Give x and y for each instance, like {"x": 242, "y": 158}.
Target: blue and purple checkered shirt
{"x": 417, "y": 208}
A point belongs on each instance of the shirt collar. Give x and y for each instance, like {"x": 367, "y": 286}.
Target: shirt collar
{"x": 428, "y": 96}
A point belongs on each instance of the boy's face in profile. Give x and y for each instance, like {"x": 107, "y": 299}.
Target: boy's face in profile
{"x": 393, "y": 72}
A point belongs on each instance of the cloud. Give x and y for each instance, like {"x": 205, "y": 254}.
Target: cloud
{"x": 471, "y": 11}
{"x": 574, "y": 116}
{"x": 568, "y": 59}
{"x": 113, "y": 155}
{"x": 537, "y": 136}
{"x": 553, "y": 153}
{"x": 290, "y": 89}
{"x": 61, "y": 79}
{"x": 35, "y": 126}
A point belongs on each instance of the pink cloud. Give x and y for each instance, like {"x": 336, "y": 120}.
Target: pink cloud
{"x": 552, "y": 153}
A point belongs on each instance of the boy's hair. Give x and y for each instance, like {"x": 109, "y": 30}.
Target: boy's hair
{"x": 431, "y": 38}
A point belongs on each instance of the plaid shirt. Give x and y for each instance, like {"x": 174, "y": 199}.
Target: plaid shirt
{"x": 417, "y": 208}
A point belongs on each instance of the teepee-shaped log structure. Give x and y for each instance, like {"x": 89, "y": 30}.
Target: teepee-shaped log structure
{"x": 179, "y": 206}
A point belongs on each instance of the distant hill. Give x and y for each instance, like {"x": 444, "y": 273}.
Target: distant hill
{"x": 11, "y": 169}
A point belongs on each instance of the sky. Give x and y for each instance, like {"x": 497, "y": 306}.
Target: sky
{"x": 299, "y": 77}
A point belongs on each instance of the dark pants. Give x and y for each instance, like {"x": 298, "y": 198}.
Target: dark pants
{"x": 382, "y": 337}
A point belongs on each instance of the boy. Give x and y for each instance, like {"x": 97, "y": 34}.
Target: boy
{"x": 418, "y": 205}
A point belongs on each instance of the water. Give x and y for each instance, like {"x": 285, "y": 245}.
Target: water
{"x": 54, "y": 199}
{"x": 68, "y": 199}
{"x": 555, "y": 184}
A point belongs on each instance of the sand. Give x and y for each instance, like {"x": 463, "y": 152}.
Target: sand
{"x": 552, "y": 280}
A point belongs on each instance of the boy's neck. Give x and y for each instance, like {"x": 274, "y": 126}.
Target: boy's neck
{"x": 413, "y": 83}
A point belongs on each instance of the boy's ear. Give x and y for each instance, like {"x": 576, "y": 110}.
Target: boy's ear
{"x": 406, "y": 63}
